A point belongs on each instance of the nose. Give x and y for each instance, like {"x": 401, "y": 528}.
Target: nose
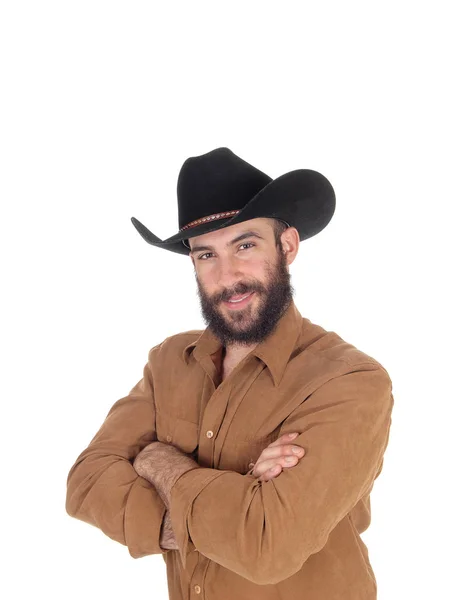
{"x": 228, "y": 273}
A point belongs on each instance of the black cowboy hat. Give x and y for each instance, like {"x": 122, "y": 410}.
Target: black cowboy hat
{"x": 219, "y": 189}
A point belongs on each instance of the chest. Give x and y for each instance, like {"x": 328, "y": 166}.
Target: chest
{"x": 225, "y": 415}
{"x": 223, "y": 366}
{"x": 225, "y": 370}
{"x": 225, "y": 420}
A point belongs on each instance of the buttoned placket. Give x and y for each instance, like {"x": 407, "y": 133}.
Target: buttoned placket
{"x": 217, "y": 414}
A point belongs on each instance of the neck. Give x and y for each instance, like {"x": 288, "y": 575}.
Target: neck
{"x": 234, "y": 353}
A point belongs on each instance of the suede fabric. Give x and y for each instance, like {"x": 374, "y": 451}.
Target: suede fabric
{"x": 295, "y": 537}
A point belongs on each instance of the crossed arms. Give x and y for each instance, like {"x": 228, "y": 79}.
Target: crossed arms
{"x": 263, "y": 531}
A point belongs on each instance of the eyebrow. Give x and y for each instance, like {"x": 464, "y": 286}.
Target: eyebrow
{"x": 243, "y": 236}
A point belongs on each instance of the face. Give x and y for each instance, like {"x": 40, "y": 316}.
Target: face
{"x": 243, "y": 281}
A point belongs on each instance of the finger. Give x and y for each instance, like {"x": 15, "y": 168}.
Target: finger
{"x": 271, "y": 473}
{"x": 266, "y": 466}
{"x": 276, "y": 452}
{"x": 284, "y": 439}
{"x": 279, "y": 452}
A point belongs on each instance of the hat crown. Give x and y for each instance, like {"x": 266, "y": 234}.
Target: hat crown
{"x": 215, "y": 182}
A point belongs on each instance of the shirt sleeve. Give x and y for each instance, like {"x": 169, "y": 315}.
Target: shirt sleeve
{"x": 103, "y": 488}
{"x": 265, "y": 531}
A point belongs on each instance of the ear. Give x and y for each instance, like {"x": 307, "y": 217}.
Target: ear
{"x": 290, "y": 240}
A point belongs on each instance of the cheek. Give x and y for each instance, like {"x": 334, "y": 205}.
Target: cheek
{"x": 207, "y": 279}
{"x": 252, "y": 269}
{"x": 259, "y": 270}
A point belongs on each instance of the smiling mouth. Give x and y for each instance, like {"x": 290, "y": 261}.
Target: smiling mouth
{"x": 239, "y": 300}
{"x": 235, "y": 299}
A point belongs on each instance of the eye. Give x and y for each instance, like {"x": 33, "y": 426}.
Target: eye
{"x": 248, "y": 244}
{"x": 201, "y": 257}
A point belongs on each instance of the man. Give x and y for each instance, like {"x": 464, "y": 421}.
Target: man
{"x": 197, "y": 462}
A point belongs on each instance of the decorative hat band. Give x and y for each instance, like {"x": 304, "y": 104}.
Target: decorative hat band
{"x": 214, "y": 217}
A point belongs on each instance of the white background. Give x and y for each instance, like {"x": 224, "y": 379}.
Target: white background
{"x": 101, "y": 103}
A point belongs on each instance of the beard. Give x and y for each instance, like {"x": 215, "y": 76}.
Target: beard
{"x": 249, "y": 325}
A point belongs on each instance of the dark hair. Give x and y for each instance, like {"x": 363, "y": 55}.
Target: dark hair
{"x": 279, "y": 227}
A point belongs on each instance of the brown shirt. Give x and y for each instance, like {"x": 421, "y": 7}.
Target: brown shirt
{"x": 295, "y": 537}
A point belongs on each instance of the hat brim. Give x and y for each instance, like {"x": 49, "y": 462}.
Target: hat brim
{"x": 303, "y": 198}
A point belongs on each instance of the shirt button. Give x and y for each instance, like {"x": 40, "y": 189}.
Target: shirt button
{"x": 209, "y": 434}
{"x": 168, "y": 438}
{"x": 251, "y": 465}
{"x": 197, "y": 589}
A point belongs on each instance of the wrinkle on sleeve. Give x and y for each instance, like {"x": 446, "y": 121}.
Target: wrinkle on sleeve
{"x": 265, "y": 531}
{"x": 103, "y": 488}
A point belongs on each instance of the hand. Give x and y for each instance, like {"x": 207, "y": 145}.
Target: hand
{"x": 167, "y": 538}
{"x": 162, "y": 464}
{"x": 275, "y": 457}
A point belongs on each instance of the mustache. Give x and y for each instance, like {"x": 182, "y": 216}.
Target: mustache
{"x": 239, "y": 289}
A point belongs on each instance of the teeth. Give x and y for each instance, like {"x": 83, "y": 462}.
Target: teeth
{"x": 240, "y": 300}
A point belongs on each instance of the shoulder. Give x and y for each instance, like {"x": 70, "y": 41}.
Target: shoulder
{"x": 173, "y": 346}
{"x": 330, "y": 347}
{"x": 324, "y": 360}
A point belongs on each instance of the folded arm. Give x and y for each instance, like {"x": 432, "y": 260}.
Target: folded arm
{"x": 103, "y": 488}
{"x": 265, "y": 531}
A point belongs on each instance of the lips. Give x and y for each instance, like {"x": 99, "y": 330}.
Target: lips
{"x": 239, "y": 300}
{"x": 239, "y": 297}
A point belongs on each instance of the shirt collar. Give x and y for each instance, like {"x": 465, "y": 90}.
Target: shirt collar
{"x": 275, "y": 351}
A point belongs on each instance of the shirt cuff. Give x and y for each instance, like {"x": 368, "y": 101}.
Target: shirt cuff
{"x": 183, "y": 494}
{"x": 143, "y": 519}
